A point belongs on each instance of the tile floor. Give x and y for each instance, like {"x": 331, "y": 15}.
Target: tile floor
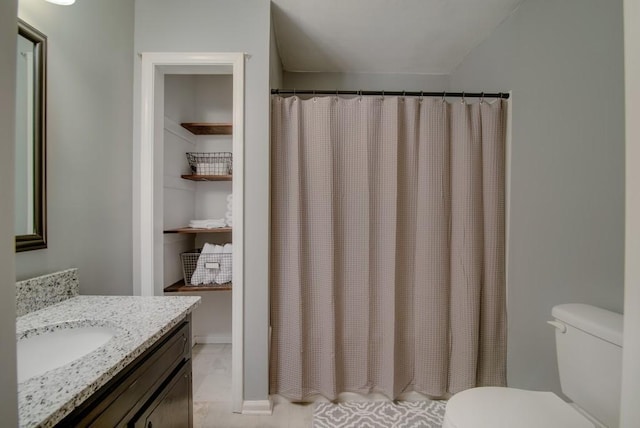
{"x": 212, "y": 396}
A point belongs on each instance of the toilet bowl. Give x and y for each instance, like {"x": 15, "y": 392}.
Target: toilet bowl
{"x": 589, "y": 351}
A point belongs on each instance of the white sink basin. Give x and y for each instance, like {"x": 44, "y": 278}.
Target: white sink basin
{"x": 49, "y": 349}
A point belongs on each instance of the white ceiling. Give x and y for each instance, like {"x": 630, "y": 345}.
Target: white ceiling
{"x": 383, "y": 36}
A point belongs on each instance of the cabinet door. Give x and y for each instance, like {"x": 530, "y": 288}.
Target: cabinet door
{"x": 173, "y": 406}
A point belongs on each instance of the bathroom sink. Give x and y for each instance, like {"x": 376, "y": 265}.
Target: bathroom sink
{"x": 49, "y": 348}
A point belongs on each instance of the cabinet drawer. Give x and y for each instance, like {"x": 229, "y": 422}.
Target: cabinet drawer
{"x": 116, "y": 403}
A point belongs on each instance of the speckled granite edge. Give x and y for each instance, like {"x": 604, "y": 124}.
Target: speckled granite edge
{"x": 45, "y": 400}
{"x": 42, "y": 291}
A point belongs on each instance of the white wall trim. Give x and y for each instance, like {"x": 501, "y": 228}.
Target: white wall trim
{"x": 143, "y": 215}
{"x": 174, "y": 128}
{"x": 237, "y": 188}
{"x": 212, "y": 338}
{"x": 257, "y": 407}
{"x": 143, "y": 246}
{"x": 507, "y": 193}
{"x": 630, "y": 411}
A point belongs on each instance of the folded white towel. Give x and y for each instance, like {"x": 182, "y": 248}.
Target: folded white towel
{"x": 221, "y": 255}
{"x": 208, "y": 220}
{"x": 202, "y": 275}
{"x": 207, "y": 224}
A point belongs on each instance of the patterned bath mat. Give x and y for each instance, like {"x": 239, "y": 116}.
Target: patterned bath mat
{"x": 379, "y": 414}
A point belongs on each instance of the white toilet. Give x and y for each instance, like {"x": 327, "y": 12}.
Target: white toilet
{"x": 589, "y": 349}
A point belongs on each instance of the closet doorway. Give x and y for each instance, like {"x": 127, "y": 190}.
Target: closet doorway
{"x": 151, "y": 217}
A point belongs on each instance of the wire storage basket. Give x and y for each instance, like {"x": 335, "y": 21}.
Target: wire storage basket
{"x": 208, "y": 269}
{"x": 214, "y": 163}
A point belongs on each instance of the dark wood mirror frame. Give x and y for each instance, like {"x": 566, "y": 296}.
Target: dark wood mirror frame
{"x": 38, "y": 239}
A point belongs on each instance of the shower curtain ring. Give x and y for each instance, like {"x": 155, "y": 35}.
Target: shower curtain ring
{"x": 463, "y": 100}
{"x": 360, "y": 95}
{"x": 382, "y": 95}
{"x": 481, "y": 97}
{"x": 444, "y": 95}
{"x": 421, "y": 95}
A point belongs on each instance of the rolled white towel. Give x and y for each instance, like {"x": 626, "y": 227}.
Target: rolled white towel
{"x": 228, "y": 216}
{"x": 229, "y": 203}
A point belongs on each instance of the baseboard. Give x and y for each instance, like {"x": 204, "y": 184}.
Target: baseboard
{"x": 347, "y": 397}
{"x": 212, "y": 338}
{"x": 257, "y": 407}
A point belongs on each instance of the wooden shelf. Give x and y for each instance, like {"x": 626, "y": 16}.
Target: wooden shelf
{"x": 207, "y": 177}
{"x": 194, "y": 230}
{"x": 208, "y": 128}
{"x": 180, "y": 287}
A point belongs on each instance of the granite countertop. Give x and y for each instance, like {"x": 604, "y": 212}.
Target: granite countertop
{"x": 138, "y": 321}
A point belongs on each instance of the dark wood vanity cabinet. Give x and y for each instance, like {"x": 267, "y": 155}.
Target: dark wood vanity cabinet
{"x": 154, "y": 391}
{"x": 172, "y": 407}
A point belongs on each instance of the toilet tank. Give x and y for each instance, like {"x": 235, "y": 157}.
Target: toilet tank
{"x": 589, "y": 348}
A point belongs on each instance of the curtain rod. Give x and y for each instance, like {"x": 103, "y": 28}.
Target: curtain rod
{"x": 504, "y": 95}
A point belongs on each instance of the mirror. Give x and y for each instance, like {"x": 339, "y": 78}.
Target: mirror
{"x": 30, "y": 147}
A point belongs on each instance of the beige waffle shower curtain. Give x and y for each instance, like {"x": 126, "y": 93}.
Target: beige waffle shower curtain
{"x": 387, "y": 246}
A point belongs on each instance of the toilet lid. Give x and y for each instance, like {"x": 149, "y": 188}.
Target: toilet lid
{"x": 495, "y": 407}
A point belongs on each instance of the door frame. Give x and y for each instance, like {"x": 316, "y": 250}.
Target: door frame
{"x": 147, "y": 228}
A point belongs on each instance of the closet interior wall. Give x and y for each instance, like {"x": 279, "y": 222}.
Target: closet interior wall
{"x": 196, "y": 98}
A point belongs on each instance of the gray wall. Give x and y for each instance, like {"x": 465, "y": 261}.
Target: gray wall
{"x": 8, "y": 387}
{"x": 366, "y": 81}
{"x": 275, "y": 63}
{"x": 230, "y": 26}
{"x": 564, "y": 63}
{"x": 89, "y": 127}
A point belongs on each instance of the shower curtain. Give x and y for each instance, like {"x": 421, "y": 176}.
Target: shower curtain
{"x": 387, "y": 246}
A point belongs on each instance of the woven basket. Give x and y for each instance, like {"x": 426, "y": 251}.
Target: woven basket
{"x": 215, "y": 163}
